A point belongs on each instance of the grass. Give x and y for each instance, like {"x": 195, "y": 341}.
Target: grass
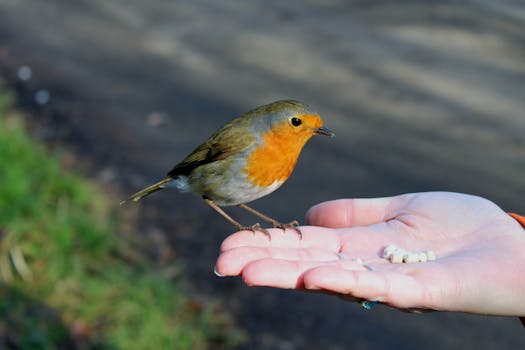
{"x": 64, "y": 281}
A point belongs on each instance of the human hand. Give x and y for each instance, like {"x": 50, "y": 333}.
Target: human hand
{"x": 480, "y": 253}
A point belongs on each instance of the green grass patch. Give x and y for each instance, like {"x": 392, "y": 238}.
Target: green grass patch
{"x": 64, "y": 282}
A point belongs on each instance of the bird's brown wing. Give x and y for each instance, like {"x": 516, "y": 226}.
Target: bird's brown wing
{"x": 221, "y": 145}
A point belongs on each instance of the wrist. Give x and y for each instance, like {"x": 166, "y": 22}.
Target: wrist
{"x": 521, "y": 220}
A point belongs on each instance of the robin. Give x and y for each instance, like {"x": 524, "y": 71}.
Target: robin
{"x": 246, "y": 159}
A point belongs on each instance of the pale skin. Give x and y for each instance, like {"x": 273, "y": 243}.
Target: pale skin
{"x": 480, "y": 254}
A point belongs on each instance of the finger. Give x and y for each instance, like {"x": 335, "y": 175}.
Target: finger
{"x": 233, "y": 261}
{"x": 312, "y": 237}
{"x": 389, "y": 287}
{"x": 354, "y": 212}
{"x": 282, "y": 273}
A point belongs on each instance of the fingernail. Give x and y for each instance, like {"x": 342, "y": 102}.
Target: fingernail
{"x": 216, "y": 272}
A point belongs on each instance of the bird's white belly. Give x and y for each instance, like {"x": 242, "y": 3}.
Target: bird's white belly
{"x": 225, "y": 186}
{"x": 243, "y": 192}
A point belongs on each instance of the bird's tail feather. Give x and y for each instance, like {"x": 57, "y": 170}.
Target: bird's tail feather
{"x": 148, "y": 190}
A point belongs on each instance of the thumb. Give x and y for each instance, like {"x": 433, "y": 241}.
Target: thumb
{"x": 354, "y": 212}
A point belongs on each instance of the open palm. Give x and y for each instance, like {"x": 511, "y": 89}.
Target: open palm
{"x": 480, "y": 253}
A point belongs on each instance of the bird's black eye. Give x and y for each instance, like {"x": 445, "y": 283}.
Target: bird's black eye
{"x": 296, "y": 121}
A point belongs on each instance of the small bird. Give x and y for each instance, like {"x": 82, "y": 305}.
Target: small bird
{"x": 246, "y": 159}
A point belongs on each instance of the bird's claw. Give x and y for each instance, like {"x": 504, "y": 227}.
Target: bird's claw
{"x": 293, "y": 225}
{"x": 256, "y": 227}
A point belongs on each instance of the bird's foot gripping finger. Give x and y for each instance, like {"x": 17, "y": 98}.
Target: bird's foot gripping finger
{"x": 293, "y": 225}
{"x": 254, "y": 228}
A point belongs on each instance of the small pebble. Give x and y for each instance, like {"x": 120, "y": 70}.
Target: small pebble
{"x": 24, "y": 73}
{"x": 156, "y": 119}
{"x": 42, "y": 97}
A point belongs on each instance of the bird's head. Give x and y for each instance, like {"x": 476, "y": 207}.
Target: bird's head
{"x": 291, "y": 120}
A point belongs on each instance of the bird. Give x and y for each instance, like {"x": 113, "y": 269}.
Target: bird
{"x": 248, "y": 158}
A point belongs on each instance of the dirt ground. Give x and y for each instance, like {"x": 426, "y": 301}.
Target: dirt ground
{"x": 423, "y": 95}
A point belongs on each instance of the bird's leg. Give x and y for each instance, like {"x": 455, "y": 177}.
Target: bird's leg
{"x": 253, "y": 228}
{"x": 275, "y": 223}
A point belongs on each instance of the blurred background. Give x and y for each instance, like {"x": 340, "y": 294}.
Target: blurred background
{"x": 423, "y": 95}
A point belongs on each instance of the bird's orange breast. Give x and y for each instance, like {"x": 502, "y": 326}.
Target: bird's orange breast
{"x": 275, "y": 159}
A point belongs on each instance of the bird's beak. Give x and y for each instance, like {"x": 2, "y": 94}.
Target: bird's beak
{"x": 324, "y": 131}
